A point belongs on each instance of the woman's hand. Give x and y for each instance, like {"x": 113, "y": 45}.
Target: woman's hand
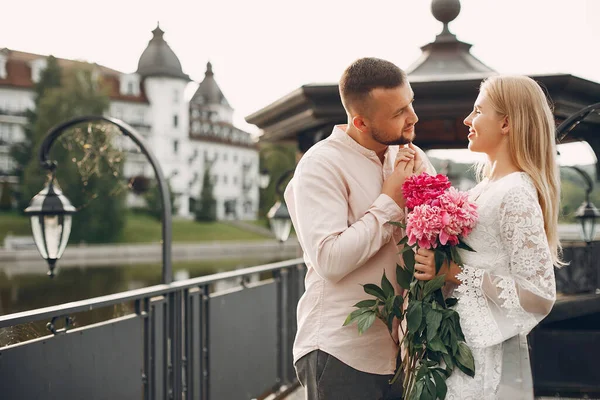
{"x": 425, "y": 267}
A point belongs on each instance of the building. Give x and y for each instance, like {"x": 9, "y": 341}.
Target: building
{"x": 186, "y": 136}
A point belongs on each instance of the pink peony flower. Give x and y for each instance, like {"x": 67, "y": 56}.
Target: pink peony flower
{"x": 424, "y": 188}
{"x": 462, "y": 216}
{"x": 424, "y": 224}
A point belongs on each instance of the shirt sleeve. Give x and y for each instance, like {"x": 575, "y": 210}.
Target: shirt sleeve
{"x": 496, "y": 307}
{"x": 317, "y": 198}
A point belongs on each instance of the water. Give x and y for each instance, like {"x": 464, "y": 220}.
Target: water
{"x": 22, "y": 292}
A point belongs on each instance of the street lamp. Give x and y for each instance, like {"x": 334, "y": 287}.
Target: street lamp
{"x": 51, "y": 218}
{"x": 264, "y": 178}
{"x": 587, "y": 213}
{"x": 51, "y": 211}
{"x": 279, "y": 216}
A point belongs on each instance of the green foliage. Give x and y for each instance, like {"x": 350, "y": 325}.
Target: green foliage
{"x": 153, "y": 203}
{"x": 6, "y": 196}
{"x": 206, "y": 208}
{"x": 277, "y": 159}
{"x": 433, "y": 332}
{"x": 89, "y": 167}
{"x": 24, "y": 151}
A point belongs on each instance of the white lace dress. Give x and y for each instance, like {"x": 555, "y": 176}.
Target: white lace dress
{"x": 508, "y": 284}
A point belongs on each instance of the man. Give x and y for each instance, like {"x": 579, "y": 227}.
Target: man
{"x": 344, "y": 191}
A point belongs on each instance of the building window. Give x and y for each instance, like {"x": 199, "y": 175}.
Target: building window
{"x": 235, "y": 158}
{"x": 176, "y": 96}
{"x": 235, "y": 180}
{"x": 224, "y": 156}
{"x": 175, "y": 146}
{"x": 130, "y": 88}
{"x": 175, "y": 121}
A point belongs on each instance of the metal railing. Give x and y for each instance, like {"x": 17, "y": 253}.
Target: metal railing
{"x": 185, "y": 340}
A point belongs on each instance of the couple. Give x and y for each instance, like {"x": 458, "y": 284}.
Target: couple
{"x": 348, "y": 186}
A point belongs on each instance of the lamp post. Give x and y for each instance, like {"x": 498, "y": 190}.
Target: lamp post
{"x": 279, "y": 216}
{"x": 51, "y": 211}
{"x": 587, "y": 214}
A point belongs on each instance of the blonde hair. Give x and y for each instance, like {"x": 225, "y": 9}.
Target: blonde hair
{"x": 532, "y": 143}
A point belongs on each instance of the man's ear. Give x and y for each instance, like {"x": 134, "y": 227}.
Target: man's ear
{"x": 359, "y": 123}
{"x": 505, "y": 126}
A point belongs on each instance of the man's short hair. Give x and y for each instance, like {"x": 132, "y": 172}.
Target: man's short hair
{"x": 364, "y": 75}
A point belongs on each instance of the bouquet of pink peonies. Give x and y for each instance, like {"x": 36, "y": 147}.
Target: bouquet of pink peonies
{"x": 439, "y": 218}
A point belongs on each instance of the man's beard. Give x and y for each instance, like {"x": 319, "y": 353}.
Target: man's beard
{"x": 378, "y": 136}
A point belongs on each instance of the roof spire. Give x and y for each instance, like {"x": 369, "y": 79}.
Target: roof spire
{"x": 445, "y": 11}
{"x": 209, "y": 70}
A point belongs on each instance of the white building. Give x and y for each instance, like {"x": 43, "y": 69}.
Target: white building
{"x": 185, "y": 136}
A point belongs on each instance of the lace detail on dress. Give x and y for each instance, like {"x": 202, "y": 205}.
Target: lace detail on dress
{"x": 476, "y": 320}
{"x": 507, "y": 284}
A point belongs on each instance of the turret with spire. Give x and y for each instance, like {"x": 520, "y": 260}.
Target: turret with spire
{"x": 158, "y": 59}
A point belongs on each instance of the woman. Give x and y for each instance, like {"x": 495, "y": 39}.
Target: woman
{"x": 507, "y": 285}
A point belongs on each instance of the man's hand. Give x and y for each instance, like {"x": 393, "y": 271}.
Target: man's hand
{"x": 392, "y": 186}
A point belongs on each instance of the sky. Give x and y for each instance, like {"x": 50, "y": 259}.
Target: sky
{"x": 263, "y": 49}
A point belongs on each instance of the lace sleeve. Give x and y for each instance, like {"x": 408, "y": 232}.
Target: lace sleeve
{"x": 516, "y": 302}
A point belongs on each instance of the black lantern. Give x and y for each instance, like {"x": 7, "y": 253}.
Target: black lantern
{"x": 281, "y": 223}
{"x": 51, "y": 218}
{"x": 587, "y": 214}
{"x": 264, "y": 178}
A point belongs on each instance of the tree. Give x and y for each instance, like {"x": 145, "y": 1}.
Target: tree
{"x": 6, "y": 197}
{"x": 24, "y": 151}
{"x": 89, "y": 167}
{"x": 206, "y": 209}
{"x": 153, "y": 204}
{"x": 277, "y": 159}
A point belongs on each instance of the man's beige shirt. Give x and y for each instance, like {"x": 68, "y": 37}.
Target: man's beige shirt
{"x": 340, "y": 217}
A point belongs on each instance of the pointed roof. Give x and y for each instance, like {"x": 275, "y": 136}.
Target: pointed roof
{"x": 208, "y": 91}
{"x": 447, "y": 57}
{"x": 159, "y": 59}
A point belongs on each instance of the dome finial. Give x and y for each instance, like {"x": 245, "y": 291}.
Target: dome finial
{"x": 157, "y": 32}
{"x": 209, "y": 70}
{"x": 445, "y": 11}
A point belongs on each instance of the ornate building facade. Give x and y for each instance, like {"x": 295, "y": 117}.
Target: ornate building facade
{"x": 186, "y": 136}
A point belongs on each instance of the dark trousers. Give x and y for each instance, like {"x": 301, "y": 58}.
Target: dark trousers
{"x": 324, "y": 377}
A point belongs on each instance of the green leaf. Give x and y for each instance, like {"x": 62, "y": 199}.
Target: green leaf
{"x": 401, "y": 225}
{"x": 437, "y": 345}
{"x": 456, "y": 256}
{"x": 374, "y": 290}
{"x": 365, "y": 321}
{"x": 354, "y": 315}
{"x": 403, "y": 277}
{"x": 414, "y": 316}
{"x": 386, "y": 285}
{"x": 464, "y": 246}
{"x": 409, "y": 261}
{"x": 405, "y": 249}
{"x": 431, "y": 390}
{"x": 451, "y": 301}
{"x": 366, "y": 303}
{"x": 440, "y": 258}
{"x": 421, "y": 373}
{"x": 440, "y": 384}
{"x": 434, "y": 284}
{"x": 417, "y": 391}
{"x": 398, "y": 303}
{"x": 402, "y": 241}
{"x": 433, "y": 319}
{"x": 449, "y": 362}
{"x": 465, "y": 360}
{"x": 390, "y": 322}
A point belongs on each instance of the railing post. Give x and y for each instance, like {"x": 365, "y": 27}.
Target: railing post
{"x": 175, "y": 321}
{"x": 204, "y": 342}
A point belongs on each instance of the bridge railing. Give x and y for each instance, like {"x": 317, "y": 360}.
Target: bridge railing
{"x": 191, "y": 339}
